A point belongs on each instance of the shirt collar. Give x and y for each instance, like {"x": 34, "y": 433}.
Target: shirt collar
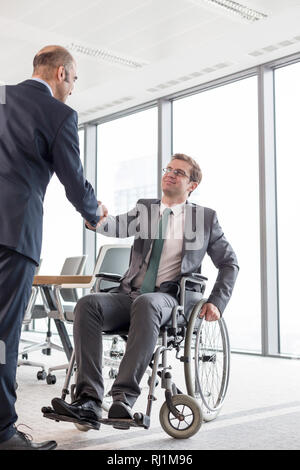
{"x": 45, "y": 83}
{"x": 177, "y": 210}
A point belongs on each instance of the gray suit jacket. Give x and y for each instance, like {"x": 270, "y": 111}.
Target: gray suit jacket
{"x": 202, "y": 234}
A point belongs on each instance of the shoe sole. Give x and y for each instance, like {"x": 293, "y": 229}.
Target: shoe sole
{"x": 70, "y": 419}
{"x": 65, "y": 412}
{"x": 119, "y": 411}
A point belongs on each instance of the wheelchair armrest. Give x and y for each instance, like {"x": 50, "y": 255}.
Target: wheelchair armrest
{"x": 195, "y": 278}
{"x": 199, "y": 276}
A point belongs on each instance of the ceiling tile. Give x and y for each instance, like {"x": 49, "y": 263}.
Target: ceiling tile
{"x": 102, "y": 13}
{"x": 16, "y": 9}
{"x": 164, "y": 30}
{"x": 146, "y": 16}
{"x": 49, "y": 13}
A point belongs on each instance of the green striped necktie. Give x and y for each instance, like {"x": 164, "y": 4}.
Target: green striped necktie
{"x": 149, "y": 281}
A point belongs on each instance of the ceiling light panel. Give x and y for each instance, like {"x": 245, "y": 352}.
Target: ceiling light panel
{"x": 106, "y": 56}
{"x": 235, "y": 8}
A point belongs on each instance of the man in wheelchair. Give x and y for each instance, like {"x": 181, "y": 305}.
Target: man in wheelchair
{"x": 172, "y": 237}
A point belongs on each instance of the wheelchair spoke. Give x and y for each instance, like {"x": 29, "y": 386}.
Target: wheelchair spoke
{"x": 209, "y": 363}
{"x": 186, "y": 422}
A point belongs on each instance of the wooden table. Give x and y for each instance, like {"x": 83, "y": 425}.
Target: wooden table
{"x": 60, "y": 280}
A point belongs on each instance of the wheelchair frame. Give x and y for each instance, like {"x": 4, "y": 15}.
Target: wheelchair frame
{"x": 181, "y": 415}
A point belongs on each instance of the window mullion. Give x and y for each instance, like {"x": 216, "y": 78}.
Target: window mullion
{"x": 268, "y": 215}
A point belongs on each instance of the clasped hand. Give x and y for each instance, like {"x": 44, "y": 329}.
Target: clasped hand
{"x": 103, "y": 212}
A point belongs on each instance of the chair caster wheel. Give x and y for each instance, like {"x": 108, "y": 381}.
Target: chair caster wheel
{"x": 47, "y": 351}
{"x": 112, "y": 373}
{"x": 51, "y": 379}
{"x": 41, "y": 375}
{"x": 25, "y": 356}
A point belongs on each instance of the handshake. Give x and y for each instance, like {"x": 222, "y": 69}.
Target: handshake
{"x": 103, "y": 213}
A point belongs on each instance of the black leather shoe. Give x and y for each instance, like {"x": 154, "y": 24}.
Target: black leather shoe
{"x": 119, "y": 410}
{"x": 84, "y": 410}
{"x": 20, "y": 441}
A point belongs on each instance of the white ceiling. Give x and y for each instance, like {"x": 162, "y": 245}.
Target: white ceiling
{"x": 182, "y": 43}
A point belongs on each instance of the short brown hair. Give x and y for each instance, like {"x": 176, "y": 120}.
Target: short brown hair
{"x": 196, "y": 173}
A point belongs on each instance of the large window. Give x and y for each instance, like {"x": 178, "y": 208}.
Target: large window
{"x": 219, "y": 129}
{"x": 126, "y": 162}
{"x": 287, "y": 100}
{"x": 63, "y": 226}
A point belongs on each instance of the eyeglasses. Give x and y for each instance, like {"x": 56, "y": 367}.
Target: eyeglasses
{"x": 180, "y": 173}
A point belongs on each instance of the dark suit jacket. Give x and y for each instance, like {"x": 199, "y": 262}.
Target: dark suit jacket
{"x": 38, "y": 136}
{"x": 202, "y": 234}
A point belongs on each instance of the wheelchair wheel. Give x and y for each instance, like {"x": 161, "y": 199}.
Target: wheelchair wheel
{"x": 192, "y": 417}
{"x": 207, "y": 362}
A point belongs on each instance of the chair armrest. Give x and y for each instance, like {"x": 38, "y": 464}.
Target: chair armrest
{"x": 109, "y": 277}
{"x": 105, "y": 277}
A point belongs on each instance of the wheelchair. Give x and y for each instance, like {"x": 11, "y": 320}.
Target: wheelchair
{"x": 204, "y": 350}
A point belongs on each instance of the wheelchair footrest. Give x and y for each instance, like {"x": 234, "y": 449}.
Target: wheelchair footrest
{"x": 139, "y": 420}
{"x": 142, "y": 420}
{"x": 119, "y": 423}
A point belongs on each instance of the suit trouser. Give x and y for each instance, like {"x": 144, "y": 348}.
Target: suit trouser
{"x": 106, "y": 312}
{"x": 16, "y": 276}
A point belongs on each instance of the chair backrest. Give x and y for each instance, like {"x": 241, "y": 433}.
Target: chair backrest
{"x": 72, "y": 266}
{"x": 113, "y": 259}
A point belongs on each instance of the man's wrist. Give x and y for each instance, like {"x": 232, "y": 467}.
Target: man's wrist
{"x": 217, "y": 303}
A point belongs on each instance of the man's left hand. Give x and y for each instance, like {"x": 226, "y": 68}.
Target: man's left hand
{"x": 210, "y": 312}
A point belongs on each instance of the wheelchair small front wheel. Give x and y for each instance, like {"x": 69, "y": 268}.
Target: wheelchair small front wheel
{"x": 190, "y": 421}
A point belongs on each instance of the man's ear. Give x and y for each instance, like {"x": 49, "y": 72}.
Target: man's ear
{"x": 193, "y": 186}
{"x": 61, "y": 73}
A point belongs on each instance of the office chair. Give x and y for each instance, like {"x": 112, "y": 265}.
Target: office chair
{"x": 110, "y": 259}
{"x": 71, "y": 266}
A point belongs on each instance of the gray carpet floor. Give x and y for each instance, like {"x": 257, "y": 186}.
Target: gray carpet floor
{"x": 261, "y": 410}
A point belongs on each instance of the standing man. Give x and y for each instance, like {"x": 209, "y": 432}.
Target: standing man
{"x": 38, "y": 136}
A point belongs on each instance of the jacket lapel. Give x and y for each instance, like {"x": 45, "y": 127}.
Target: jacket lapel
{"x": 153, "y": 218}
{"x": 185, "y": 241}
{"x": 193, "y": 238}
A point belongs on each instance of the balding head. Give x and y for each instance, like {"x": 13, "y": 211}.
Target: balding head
{"x": 50, "y": 58}
{"x": 56, "y": 65}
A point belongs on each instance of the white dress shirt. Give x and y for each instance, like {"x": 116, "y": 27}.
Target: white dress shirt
{"x": 171, "y": 256}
